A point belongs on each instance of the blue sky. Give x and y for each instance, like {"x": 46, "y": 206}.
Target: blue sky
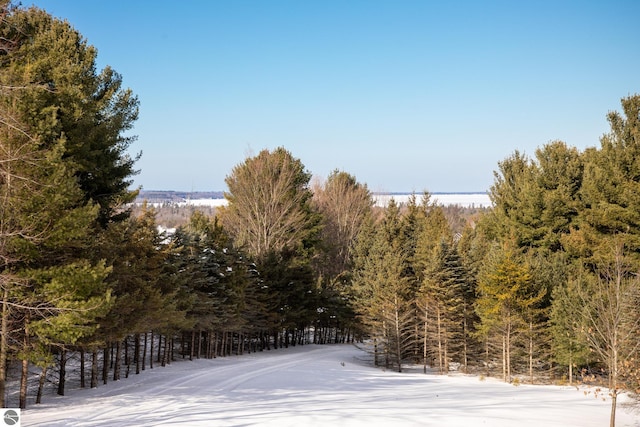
{"x": 404, "y": 95}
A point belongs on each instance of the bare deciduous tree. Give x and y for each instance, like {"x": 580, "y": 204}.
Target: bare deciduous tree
{"x": 343, "y": 203}
{"x": 610, "y": 317}
{"x": 269, "y": 203}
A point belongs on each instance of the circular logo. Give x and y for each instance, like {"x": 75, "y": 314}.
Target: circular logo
{"x": 11, "y": 417}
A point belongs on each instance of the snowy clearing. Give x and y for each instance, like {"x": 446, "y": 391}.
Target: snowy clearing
{"x": 315, "y": 385}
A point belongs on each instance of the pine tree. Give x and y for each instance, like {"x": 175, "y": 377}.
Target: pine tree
{"x": 66, "y": 124}
{"x": 504, "y": 296}
{"x": 383, "y": 295}
{"x": 569, "y": 346}
{"x": 74, "y": 101}
{"x": 443, "y": 289}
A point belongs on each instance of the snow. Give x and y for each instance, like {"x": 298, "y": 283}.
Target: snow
{"x": 465, "y": 200}
{"x": 315, "y": 385}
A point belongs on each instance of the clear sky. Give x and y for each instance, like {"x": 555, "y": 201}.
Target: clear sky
{"x": 404, "y": 95}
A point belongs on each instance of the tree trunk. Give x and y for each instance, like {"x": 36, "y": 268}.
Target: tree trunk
{"x": 82, "y": 369}
{"x": 445, "y": 347}
{"x": 504, "y": 358}
{"x": 199, "y": 344}
{"x": 163, "y": 363}
{"x": 41, "y": 381}
{"x": 116, "y": 366}
{"x": 151, "y": 351}
{"x": 105, "y": 364}
{"x": 24, "y": 377}
{"x": 159, "y": 360}
{"x": 570, "y": 366}
{"x": 375, "y": 352}
{"x": 398, "y": 338}
{"x": 486, "y": 354}
{"x": 509, "y": 351}
{"x": 208, "y": 345}
{"x": 439, "y": 336}
{"x": 215, "y": 344}
{"x": 136, "y": 351}
{"x": 127, "y": 357}
{"x": 424, "y": 349}
{"x": 531, "y": 352}
{"x": 425, "y": 340}
{"x": 465, "y": 349}
{"x": 23, "y": 381}
{"x": 614, "y": 400}
{"x": 143, "y": 357}
{"x": 94, "y": 369}
{"x": 192, "y": 346}
{"x": 222, "y": 344}
{"x": 63, "y": 372}
{"x": 613, "y": 382}
{"x": 4, "y": 342}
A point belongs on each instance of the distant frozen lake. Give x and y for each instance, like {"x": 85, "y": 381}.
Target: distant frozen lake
{"x": 478, "y": 200}
{"x": 466, "y": 200}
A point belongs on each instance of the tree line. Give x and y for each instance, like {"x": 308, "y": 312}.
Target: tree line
{"x": 543, "y": 284}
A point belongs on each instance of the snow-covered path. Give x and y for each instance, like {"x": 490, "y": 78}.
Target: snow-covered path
{"x": 316, "y": 385}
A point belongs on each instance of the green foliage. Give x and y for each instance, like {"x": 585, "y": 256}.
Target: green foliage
{"x": 217, "y": 283}
{"x": 383, "y": 296}
{"x": 145, "y": 294}
{"x": 445, "y": 292}
{"x": 71, "y": 298}
{"x": 65, "y": 99}
{"x": 611, "y": 189}
{"x": 506, "y": 298}
{"x": 569, "y": 346}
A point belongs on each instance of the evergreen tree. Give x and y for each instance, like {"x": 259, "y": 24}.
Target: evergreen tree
{"x": 65, "y": 170}
{"x": 504, "y": 296}
{"x": 145, "y": 294}
{"x": 218, "y": 283}
{"x": 72, "y": 100}
{"x": 443, "y": 289}
{"x": 610, "y": 189}
{"x": 384, "y": 298}
{"x": 569, "y": 346}
{"x": 560, "y": 175}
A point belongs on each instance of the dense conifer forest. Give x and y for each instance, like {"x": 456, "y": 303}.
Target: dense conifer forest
{"x": 542, "y": 287}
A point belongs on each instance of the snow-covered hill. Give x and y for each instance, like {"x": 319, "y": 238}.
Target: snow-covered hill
{"x": 317, "y": 386}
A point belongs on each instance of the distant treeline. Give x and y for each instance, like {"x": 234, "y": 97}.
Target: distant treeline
{"x": 161, "y": 196}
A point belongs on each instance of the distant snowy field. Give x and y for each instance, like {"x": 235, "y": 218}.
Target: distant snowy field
{"x": 331, "y": 385}
{"x": 478, "y": 200}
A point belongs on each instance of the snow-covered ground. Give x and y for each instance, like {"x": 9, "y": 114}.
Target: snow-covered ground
{"x": 330, "y": 385}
